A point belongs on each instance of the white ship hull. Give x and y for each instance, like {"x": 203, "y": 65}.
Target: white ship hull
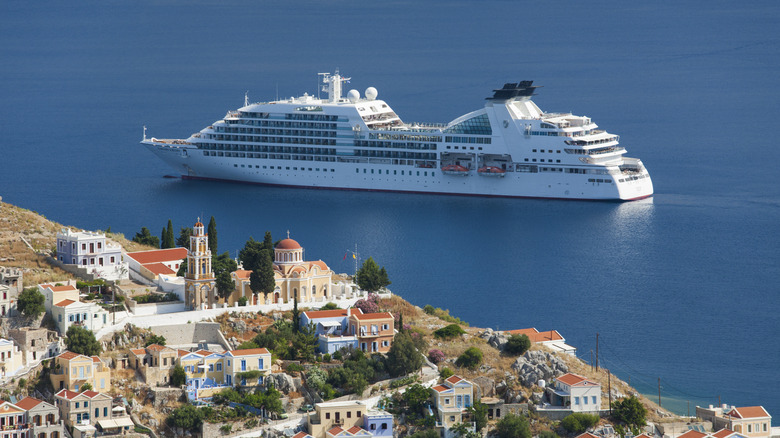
{"x": 515, "y": 184}
{"x": 338, "y": 144}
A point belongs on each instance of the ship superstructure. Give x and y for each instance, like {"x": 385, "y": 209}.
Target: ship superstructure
{"x": 510, "y": 147}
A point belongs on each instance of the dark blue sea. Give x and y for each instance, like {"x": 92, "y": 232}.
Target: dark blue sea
{"x": 683, "y": 288}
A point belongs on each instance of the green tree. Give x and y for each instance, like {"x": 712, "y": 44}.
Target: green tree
{"x": 471, "y": 358}
{"x": 370, "y": 277}
{"x": 296, "y": 315}
{"x": 82, "y": 341}
{"x": 262, "y": 280}
{"x": 578, "y": 423}
{"x": 548, "y": 434}
{"x": 629, "y": 411}
{"x": 30, "y": 303}
{"x": 479, "y": 412}
{"x": 184, "y": 237}
{"x": 330, "y": 306}
{"x": 144, "y": 237}
{"x": 427, "y": 433}
{"x": 446, "y": 373}
{"x": 85, "y": 387}
{"x": 517, "y": 345}
{"x": 182, "y": 268}
{"x": 415, "y": 397}
{"x": 513, "y": 426}
{"x": 272, "y": 400}
{"x": 403, "y": 358}
{"x": 212, "y": 233}
{"x": 250, "y": 254}
{"x": 225, "y": 284}
{"x": 154, "y": 339}
{"x": 168, "y": 239}
{"x": 222, "y": 263}
{"x": 461, "y": 430}
{"x": 186, "y": 417}
{"x": 268, "y": 243}
{"x": 178, "y": 376}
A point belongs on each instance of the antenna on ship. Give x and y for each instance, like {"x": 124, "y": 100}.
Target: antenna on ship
{"x": 144, "y": 132}
{"x": 246, "y": 98}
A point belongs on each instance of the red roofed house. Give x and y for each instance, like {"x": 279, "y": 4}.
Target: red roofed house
{"x": 550, "y": 338}
{"x": 574, "y": 393}
{"x": 71, "y": 371}
{"x": 374, "y": 331}
{"x": 52, "y": 293}
{"x": 750, "y": 421}
{"x": 330, "y": 419}
{"x": 43, "y": 418}
{"x": 147, "y": 265}
{"x": 83, "y": 410}
{"x": 88, "y": 315}
{"x": 452, "y": 399}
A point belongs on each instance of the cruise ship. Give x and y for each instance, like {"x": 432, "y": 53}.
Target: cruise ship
{"x": 508, "y": 148}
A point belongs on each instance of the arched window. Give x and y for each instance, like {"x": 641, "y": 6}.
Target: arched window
{"x": 325, "y": 290}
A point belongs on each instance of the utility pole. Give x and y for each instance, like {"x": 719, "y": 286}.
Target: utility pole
{"x": 609, "y": 385}
{"x": 591, "y": 360}
{"x": 659, "y": 392}
{"x": 597, "y": 352}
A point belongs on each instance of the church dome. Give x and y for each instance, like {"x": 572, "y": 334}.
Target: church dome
{"x": 288, "y": 244}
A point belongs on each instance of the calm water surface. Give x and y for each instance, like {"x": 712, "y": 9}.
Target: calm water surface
{"x": 682, "y": 287}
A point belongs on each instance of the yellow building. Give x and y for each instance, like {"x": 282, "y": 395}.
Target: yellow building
{"x": 309, "y": 281}
{"x": 452, "y": 399}
{"x": 209, "y": 372}
{"x": 72, "y": 371}
{"x": 200, "y": 291}
{"x": 154, "y": 362}
{"x": 329, "y": 415}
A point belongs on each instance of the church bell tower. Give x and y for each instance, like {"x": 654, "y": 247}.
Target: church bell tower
{"x": 199, "y": 283}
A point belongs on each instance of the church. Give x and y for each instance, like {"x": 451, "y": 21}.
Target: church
{"x": 200, "y": 286}
{"x": 309, "y": 281}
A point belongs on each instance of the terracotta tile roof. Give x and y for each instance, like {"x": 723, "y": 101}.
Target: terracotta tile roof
{"x": 204, "y": 352}
{"x": 61, "y": 288}
{"x": 723, "y": 433}
{"x": 369, "y": 316}
{"x": 45, "y": 286}
{"x": 588, "y": 435}
{"x": 249, "y": 351}
{"x": 242, "y": 274}
{"x": 301, "y": 435}
{"x": 66, "y": 393}
{"x": 159, "y": 268}
{"x": 68, "y": 355}
{"x": 354, "y": 429}
{"x": 749, "y": 412}
{"x": 693, "y": 434}
{"x": 320, "y": 264}
{"x": 536, "y": 336}
{"x": 336, "y": 430}
{"x": 335, "y": 313}
{"x": 90, "y": 394}
{"x": 64, "y": 303}
{"x": 95, "y": 359}
{"x": 158, "y": 255}
{"x": 288, "y": 244}
{"x": 454, "y": 379}
{"x": 138, "y": 351}
{"x": 440, "y": 388}
{"x": 643, "y": 435}
{"x": 156, "y": 347}
{"x": 574, "y": 379}
{"x": 28, "y": 403}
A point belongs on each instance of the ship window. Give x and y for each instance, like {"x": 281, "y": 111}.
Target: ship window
{"x": 557, "y": 161}
{"x": 526, "y": 159}
{"x": 448, "y": 147}
{"x": 534, "y": 150}
{"x": 364, "y": 170}
{"x": 426, "y": 173}
{"x": 332, "y": 170}
{"x": 480, "y": 148}
{"x": 357, "y": 170}
{"x": 372, "y": 171}
{"x": 395, "y": 172}
{"x": 534, "y": 160}
{"x": 557, "y": 152}
{"x": 287, "y": 168}
{"x": 235, "y": 165}
{"x": 418, "y": 173}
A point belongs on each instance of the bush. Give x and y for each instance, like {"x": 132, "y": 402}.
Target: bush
{"x": 446, "y": 373}
{"x": 517, "y": 345}
{"x": 408, "y": 380}
{"x": 449, "y": 332}
{"x": 178, "y": 376}
{"x": 294, "y": 367}
{"x": 471, "y": 358}
{"x": 326, "y": 357}
{"x": 578, "y": 423}
{"x": 30, "y": 303}
{"x": 629, "y": 411}
{"x": 154, "y": 339}
{"x": 368, "y": 305}
{"x": 548, "y": 434}
{"x": 435, "y": 355}
{"x": 429, "y": 309}
{"x": 330, "y": 306}
{"x": 186, "y": 417}
{"x": 513, "y": 426}
{"x": 82, "y": 341}
{"x": 242, "y": 301}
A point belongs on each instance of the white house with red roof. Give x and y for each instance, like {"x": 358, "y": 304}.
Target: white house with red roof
{"x": 43, "y": 419}
{"x": 748, "y": 421}
{"x": 451, "y": 400}
{"x": 88, "y": 315}
{"x": 55, "y": 293}
{"x": 575, "y": 393}
{"x": 550, "y": 338}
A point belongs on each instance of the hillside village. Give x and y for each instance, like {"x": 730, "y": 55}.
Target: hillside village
{"x": 103, "y": 336}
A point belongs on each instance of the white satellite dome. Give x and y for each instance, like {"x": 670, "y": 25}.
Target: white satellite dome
{"x": 353, "y": 95}
{"x": 371, "y": 93}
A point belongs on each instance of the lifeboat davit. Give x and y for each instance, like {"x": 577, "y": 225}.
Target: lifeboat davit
{"x": 491, "y": 171}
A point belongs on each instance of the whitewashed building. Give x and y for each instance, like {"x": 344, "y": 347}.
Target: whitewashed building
{"x": 90, "y": 250}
